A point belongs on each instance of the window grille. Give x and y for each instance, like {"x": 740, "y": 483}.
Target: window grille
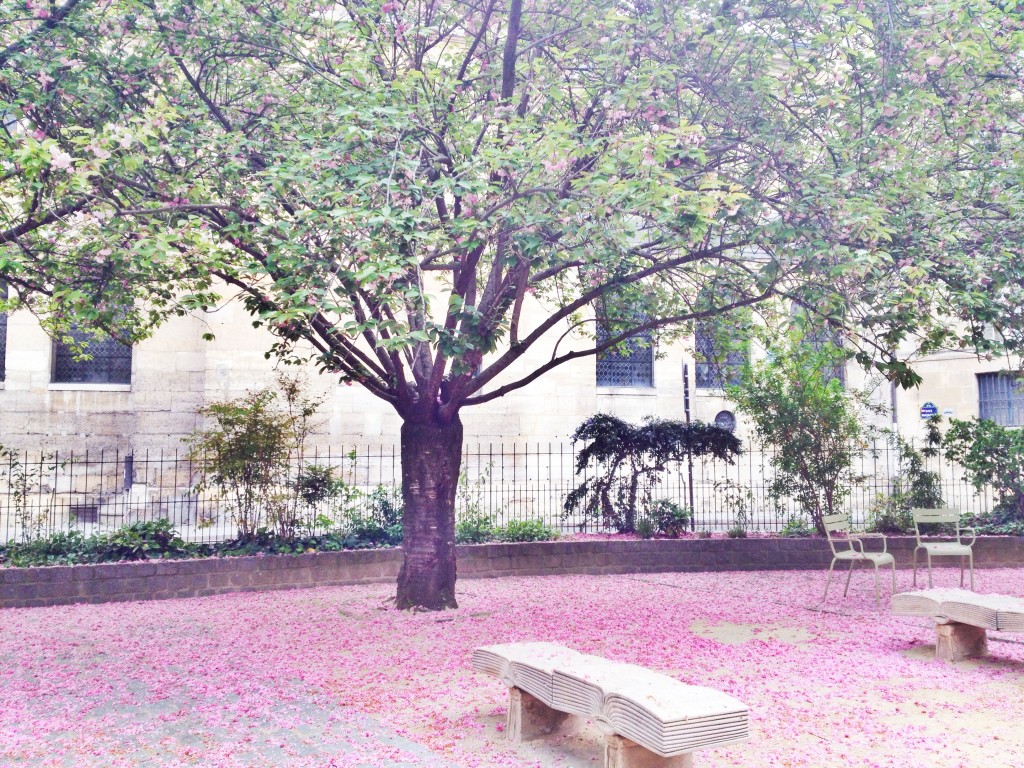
{"x": 821, "y": 339}
{"x": 110, "y": 361}
{"x": 632, "y": 367}
{"x": 713, "y": 368}
{"x": 1001, "y": 398}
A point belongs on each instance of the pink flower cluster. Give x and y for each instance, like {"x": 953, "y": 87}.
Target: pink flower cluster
{"x": 335, "y": 677}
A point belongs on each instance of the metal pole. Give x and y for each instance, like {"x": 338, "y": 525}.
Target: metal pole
{"x": 689, "y": 452}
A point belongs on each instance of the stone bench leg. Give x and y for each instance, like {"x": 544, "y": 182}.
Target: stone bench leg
{"x": 530, "y": 718}
{"x": 620, "y": 752}
{"x": 956, "y": 642}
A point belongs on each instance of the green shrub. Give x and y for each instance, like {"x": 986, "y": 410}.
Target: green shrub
{"x": 55, "y": 549}
{"x": 993, "y": 456}
{"x": 889, "y": 516}
{"x": 800, "y": 409}
{"x": 150, "y": 540}
{"x": 379, "y": 523}
{"x": 668, "y": 518}
{"x": 645, "y": 528}
{"x": 736, "y": 532}
{"x": 796, "y": 526}
{"x": 475, "y": 528}
{"x": 142, "y": 541}
{"x": 526, "y": 530}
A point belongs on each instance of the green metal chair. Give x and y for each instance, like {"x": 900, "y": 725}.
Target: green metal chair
{"x": 932, "y": 549}
{"x": 850, "y": 546}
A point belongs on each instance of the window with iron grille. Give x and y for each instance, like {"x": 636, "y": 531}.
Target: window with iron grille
{"x": 633, "y": 366}
{"x": 822, "y": 339}
{"x": 715, "y": 368}
{"x": 3, "y": 335}
{"x": 1001, "y": 398}
{"x": 109, "y": 361}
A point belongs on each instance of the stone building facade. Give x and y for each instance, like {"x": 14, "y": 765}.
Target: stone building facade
{"x": 152, "y": 404}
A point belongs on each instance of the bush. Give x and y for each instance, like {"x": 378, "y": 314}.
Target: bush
{"x": 889, "y": 516}
{"x": 913, "y": 486}
{"x": 150, "y": 540}
{"x": 475, "y": 528}
{"x": 55, "y": 549}
{"x": 247, "y": 451}
{"x": 800, "y": 408}
{"x": 526, "y": 530}
{"x": 668, "y": 518}
{"x": 378, "y": 524}
{"x": 645, "y": 529}
{"x": 795, "y": 527}
{"x": 993, "y": 455}
{"x": 624, "y": 461}
{"x": 142, "y": 541}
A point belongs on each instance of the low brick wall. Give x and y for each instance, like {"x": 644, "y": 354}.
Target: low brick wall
{"x": 157, "y": 580}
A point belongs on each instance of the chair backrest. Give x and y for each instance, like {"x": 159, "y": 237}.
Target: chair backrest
{"x": 838, "y": 523}
{"x": 924, "y": 516}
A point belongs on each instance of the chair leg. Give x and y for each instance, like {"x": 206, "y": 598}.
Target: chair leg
{"x": 848, "y": 575}
{"x": 878, "y": 589}
{"x": 915, "y": 567}
{"x": 893, "y": 564}
{"x": 829, "y": 579}
{"x": 929, "y": 569}
{"x": 961, "y": 571}
{"x": 970, "y": 560}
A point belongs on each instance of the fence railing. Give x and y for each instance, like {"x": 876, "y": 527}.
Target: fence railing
{"x": 102, "y": 491}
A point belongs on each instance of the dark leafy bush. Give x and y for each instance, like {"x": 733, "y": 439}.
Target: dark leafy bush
{"x": 623, "y": 461}
{"x": 150, "y": 540}
{"x": 668, "y": 518}
{"x": 142, "y": 541}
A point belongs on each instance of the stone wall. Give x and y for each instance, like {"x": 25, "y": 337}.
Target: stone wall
{"x": 22, "y": 587}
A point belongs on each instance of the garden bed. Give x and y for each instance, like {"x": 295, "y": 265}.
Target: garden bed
{"x": 163, "y": 579}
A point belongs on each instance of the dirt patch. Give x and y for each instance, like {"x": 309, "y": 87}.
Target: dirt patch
{"x": 736, "y": 634}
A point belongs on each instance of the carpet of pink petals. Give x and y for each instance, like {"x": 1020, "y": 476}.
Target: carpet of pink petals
{"x": 333, "y": 677}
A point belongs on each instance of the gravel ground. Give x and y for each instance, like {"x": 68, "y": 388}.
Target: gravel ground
{"x": 333, "y": 677}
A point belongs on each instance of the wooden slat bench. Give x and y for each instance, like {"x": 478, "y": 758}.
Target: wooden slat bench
{"x": 962, "y": 618}
{"x": 649, "y": 720}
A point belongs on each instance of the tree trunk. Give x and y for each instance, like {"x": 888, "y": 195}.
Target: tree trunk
{"x": 431, "y": 456}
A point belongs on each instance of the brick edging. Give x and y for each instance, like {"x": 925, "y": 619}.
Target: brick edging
{"x": 158, "y": 580}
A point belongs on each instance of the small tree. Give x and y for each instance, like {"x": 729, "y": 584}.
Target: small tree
{"x": 800, "y": 408}
{"x": 247, "y": 453}
{"x": 627, "y": 460}
{"x": 991, "y": 455}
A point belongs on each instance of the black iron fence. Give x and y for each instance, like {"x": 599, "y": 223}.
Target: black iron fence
{"x": 102, "y": 491}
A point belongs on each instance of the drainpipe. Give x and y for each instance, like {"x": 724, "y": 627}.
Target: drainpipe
{"x": 689, "y": 453}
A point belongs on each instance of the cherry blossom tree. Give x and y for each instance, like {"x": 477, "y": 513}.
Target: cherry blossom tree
{"x": 417, "y": 193}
